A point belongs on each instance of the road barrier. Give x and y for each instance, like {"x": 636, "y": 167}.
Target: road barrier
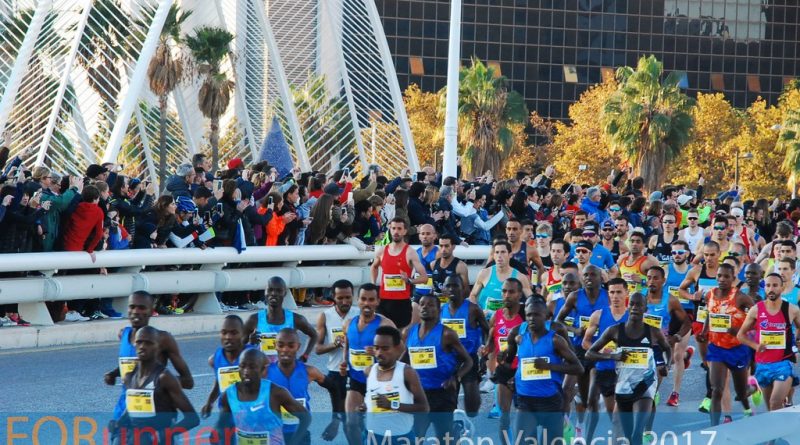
{"x": 207, "y": 272}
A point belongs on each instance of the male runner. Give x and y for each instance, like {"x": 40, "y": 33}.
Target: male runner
{"x": 604, "y": 375}
{"x": 397, "y": 263}
{"x": 552, "y": 278}
{"x": 501, "y": 324}
{"x": 633, "y": 267}
{"x": 753, "y": 273}
{"x": 681, "y": 351}
{"x": 359, "y": 335}
{"x": 295, "y": 376}
{"x": 262, "y": 327}
{"x": 521, "y": 252}
{"x": 252, "y": 407}
{"x": 394, "y": 393}
{"x": 486, "y": 292}
{"x": 786, "y": 268}
{"x": 727, "y": 309}
{"x": 427, "y": 252}
{"x": 468, "y": 321}
{"x": 636, "y": 367}
{"x": 692, "y": 234}
{"x": 719, "y": 235}
{"x": 225, "y": 361}
{"x": 542, "y": 359}
{"x": 447, "y": 264}
{"x": 772, "y": 321}
{"x": 153, "y": 397}
{"x": 435, "y": 352}
{"x": 661, "y": 245}
{"x": 140, "y": 308}
{"x": 330, "y": 343}
{"x": 570, "y": 282}
{"x": 609, "y": 241}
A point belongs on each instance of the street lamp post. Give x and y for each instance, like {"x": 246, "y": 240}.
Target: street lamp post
{"x": 747, "y": 155}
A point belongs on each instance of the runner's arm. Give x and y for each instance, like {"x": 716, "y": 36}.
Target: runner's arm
{"x": 376, "y": 263}
{"x": 476, "y": 316}
{"x": 302, "y": 325}
{"x": 594, "y": 325}
{"x": 285, "y": 400}
{"x": 679, "y": 314}
{"x": 250, "y": 329}
{"x": 687, "y": 282}
{"x": 571, "y": 363}
{"x": 593, "y": 353}
{"x": 748, "y": 324}
{"x": 416, "y": 265}
{"x": 205, "y": 411}
{"x": 478, "y": 287}
{"x": 507, "y": 357}
{"x": 337, "y": 399}
{"x": 174, "y": 354}
{"x": 463, "y": 272}
{"x": 345, "y": 353}
{"x": 666, "y": 349}
{"x": 224, "y": 421}
{"x": 322, "y": 333}
{"x": 569, "y": 306}
{"x": 179, "y": 400}
{"x": 452, "y": 341}
{"x": 413, "y": 384}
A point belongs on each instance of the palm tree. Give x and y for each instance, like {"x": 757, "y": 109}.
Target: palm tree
{"x": 209, "y": 47}
{"x": 789, "y": 143}
{"x": 648, "y": 119}
{"x": 486, "y": 111}
{"x": 165, "y": 72}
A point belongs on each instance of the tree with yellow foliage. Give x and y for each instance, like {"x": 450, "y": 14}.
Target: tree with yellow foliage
{"x": 426, "y": 125}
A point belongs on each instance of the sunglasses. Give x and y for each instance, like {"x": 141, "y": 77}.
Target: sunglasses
{"x": 734, "y": 254}
{"x": 589, "y": 234}
{"x": 720, "y": 227}
{"x": 679, "y": 252}
{"x": 693, "y": 218}
{"x": 581, "y": 251}
{"x": 615, "y": 209}
{"x": 608, "y": 229}
{"x": 542, "y": 235}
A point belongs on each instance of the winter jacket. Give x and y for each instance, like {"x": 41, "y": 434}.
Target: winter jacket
{"x": 85, "y": 228}
{"x": 177, "y": 186}
{"x": 51, "y": 220}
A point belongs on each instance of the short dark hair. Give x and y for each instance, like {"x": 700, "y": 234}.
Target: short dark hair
{"x": 789, "y": 261}
{"x": 398, "y": 219}
{"x": 342, "y": 284}
{"x": 369, "y": 287}
{"x": 569, "y": 265}
{"x": 618, "y": 280}
{"x": 198, "y": 159}
{"x": 450, "y": 237}
{"x": 515, "y": 281}
{"x": 658, "y": 269}
{"x": 788, "y": 243}
{"x": 501, "y": 242}
{"x": 637, "y": 234}
{"x": 773, "y": 274}
{"x": 682, "y": 243}
{"x": 389, "y": 331}
{"x": 234, "y": 318}
{"x": 202, "y": 192}
{"x": 563, "y": 243}
{"x": 90, "y": 193}
{"x": 141, "y": 293}
{"x": 728, "y": 267}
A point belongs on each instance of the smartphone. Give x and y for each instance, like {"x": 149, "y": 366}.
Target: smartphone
{"x": 270, "y": 200}
{"x": 582, "y": 167}
{"x": 120, "y": 167}
{"x": 208, "y": 216}
{"x": 219, "y": 207}
{"x": 344, "y": 211}
{"x": 346, "y": 173}
{"x": 217, "y": 185}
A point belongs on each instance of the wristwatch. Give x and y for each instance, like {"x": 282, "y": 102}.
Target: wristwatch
{"x": 395, "y": 405}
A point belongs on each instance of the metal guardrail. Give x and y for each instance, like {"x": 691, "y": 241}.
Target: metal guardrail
{"x": 254, "y": 268}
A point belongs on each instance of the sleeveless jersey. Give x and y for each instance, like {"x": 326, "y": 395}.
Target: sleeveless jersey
{"x": 502, "y": 327}
{"x": 393, "y": 287}
{"x": 606, "y": 321}
{"x": 553, "y": 285}
{"x": 694, "y": 240}
{"x": 471, "y": 337}
{"x": 640, "y": 367}
{"x": 673, "y": 284}
{"x": 428, "y": 357}
{"x": 491, "y": 296}
{"x": 226, "y": 372}
{"x": 378, "y": 420}
{"x": 791, "y": 296}
{"x": 427, "y": 262}
{"x": 584, "y": 310}
{"x": 254, "y": 420}
{"x": 357, "y": 342}
{"x": 774, "y": 331}
{"x": 723, "y": 315}
{"x": 142, "y": 404}
{"x": 633, "y": 275}
{"x": 657, "y": 314}
{"x": 269, "y": 332}
{"x": 663, "y": 250}
{"x": 705, "y": 282}
{"x": 334, "y": 326}
{"x": 522, "y": 256}
{"x": 127, "y": 360}
{"x": 297, "y": 385}
{"x": 528, "y": 380}
{"x": 440, "y": 273}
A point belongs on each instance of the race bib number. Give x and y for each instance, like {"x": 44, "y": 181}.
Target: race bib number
{"x": 457, "y": 324}
{"x": 443, "y": 299}
{"x": 360, "y": 359}
{"x": 609, "y": 347}
{"x": 394, "y": 283}
{"x": 267, "y": 343}
{"x": 653, "y": 320}
{"x": 289, "y": 418}
{"x": 531, "y": 372}
{"x": 675, "y": 291}
{"x": 503, "y": 341}
{"x": 702, "y": 314}
{"x": 493, "y": 304}
{"x": 337, "y": 333}
{"x": 139, "y": 402}
{"x": 569, "y": 321}
{"x": 423, "y": 357}
{"x": 636, "y": 358}
{"x": 227, "y": 376}
{"x": 427, "y": 286}
{"x": 126, "y": 365}
{"x": 393, "y": 397}
{"x": 773, "y": 339}
{"x": 583, "y": 322}
{"x": 719, "y": 322}
{"x": 243, "y": 438}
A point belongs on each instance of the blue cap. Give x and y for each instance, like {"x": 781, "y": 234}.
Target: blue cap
{"x": 185, "y": 204}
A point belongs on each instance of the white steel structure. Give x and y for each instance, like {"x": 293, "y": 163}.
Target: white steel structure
{"x": 74, "y": 86}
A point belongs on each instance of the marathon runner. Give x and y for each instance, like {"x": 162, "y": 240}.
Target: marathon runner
{"x": 436, "y": 353}
{"x": 140, "y": 309}
{"x": 225, "y": 361}
{"x": 603, "y": 377}
{"x": 153, "y": 396}
{"x": 661, "y": 245}
{"x": 719, "y": 235}
{"x": 501, "y": 324}
{"x": 396, "y": 263}
{"x": 486, "y": 292}
{"x": 330, "y": 343}
{"x": 521, "y": 251}
{"x": 467, "y": 319}
{"x": 262, "y": 327}
{"x": 636, "y": 367}
{"x": 447, "y": 264}
{"x": 786, "y": 269}
{"x": 681, "y": 351}
{"x": 600, "y": 256}
{"x": 727, "y": 309}
{"x": 569, "y": 283}
{"x": 427, "y": 252}
{"x": 541, "y": 358}
{"x": 753, "y": 274}
{"x": 552, "y": 278}
{"x": 633, "y": 267}
{"x": 772, "y": 320}
{"x": 610, "y": 242}
{"x": 359, "y": 354}
{"x": 693, "y": 234}
{"x": 253, "y": 406}
{"x": 394, "y": 394}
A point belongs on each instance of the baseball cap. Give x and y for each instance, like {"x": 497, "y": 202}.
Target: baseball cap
{"x": 736, "y": 211}
{"x": 590, "y": 227}
{"x": 684, "y": 199}
{"x": 94, "y": 170}
{"x": 235, "y": 163}
{"x": 332, "y": 189}
{"x": 608, "y": 223}
{"x": 585, "y": 245}
{"x": 655, "y": 196}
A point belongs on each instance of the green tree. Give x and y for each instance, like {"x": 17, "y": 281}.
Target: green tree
{"x": 789, "y": 137}
{"x": 209, "y": 48}
{"x": 164, "y": 73}
{"x": 426, "y": 124}
{"x": 486, "y": 111}
{"x": 647, "y": 119}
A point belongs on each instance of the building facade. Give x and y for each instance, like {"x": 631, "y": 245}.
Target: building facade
{"x": 553, "y": 50}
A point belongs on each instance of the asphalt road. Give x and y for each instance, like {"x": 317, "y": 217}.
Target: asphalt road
{"x": 69, "y": 381}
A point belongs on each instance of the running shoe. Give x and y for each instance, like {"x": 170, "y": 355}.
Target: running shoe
{"x": 97, "y": 315}
{"x": 748, "y": 412}
{"x": 487, "y": 386}
{"x": 495, "y": 412}
{"x": 755, "y": 391}
{"x": 705, "y": 405}
{"x": 5, "y": 321}
{"x": 111, "y": 313}
{"x": 74, "y": 316}
{"x": 674, "y": 399}
{"x": 175, "y": 310}
{"x": 727, "y": 419}
{"x": 687, "y": 359}
{"x": 648, "y": 437}
{"x": 16, "y": 319}
{"x": 657, "y": 398}
{"x": 569, "y": 430}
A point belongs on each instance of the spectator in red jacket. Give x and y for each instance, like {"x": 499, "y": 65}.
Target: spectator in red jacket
{"x": 85, "y": 228}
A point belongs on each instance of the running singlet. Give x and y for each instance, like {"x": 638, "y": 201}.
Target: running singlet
{"x": 126, "y": 361}
{"x": 584, "y": 310}
{"x": 673, "y": 284}
{"x": 269, "y": 332}
{"x": 380, "y": 420}
{"x": 142, "y": 405}
{"x": 632, "y": 274}
{"x": 772, "y": 331}
{"x": 471, "y": 337}
{"x": 791, "y": 296}
{"x": 606, "y": 321}
{"x": 723, "y": 315}
{"x": 657, "y": 314}
{"x": 393, "y": 286}
{"x": 640, "y": 366}
{"x": 705, "y": 282}
{"x": 502, "y": 327}
{"x": 427, "y": 263}
{"x": 226, "y": 372}
{"x": 297, "y": 385}
{"x": 694, "y": 240}
{"x": 522, "y": 257}
{"x": 440, "y": 273}
{"x": 255, "y": 422}
{"x": 334, "y": 325}
{"x": 528, "y": 380}
{"x": 427, "y": 356}
{"x": 357, "y": 342}
{"x": 663, "y": 250}
{"x": 491, "y": 296}
{"x": 552, "y": 285}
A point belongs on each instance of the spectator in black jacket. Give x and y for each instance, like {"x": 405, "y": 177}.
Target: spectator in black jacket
{"x": 179, "y": 184}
